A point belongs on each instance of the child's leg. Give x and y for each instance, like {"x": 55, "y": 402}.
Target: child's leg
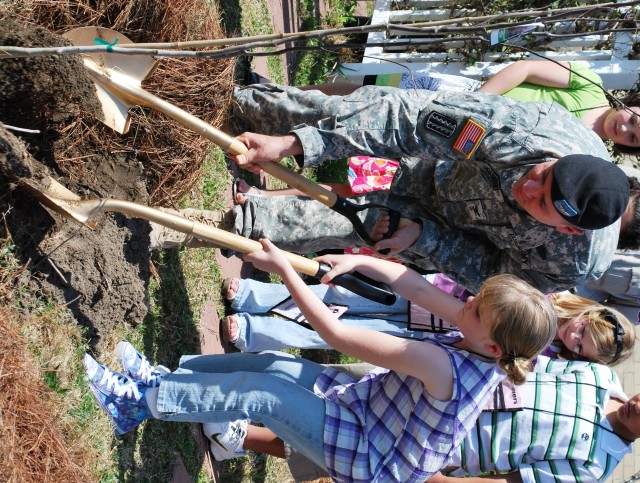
{"x": 299, "y": 371}
{"x": 272, "y": 389}
{"x": 256, "y": 297}
{"x": 262, "y": 440}
{"x": 258, "y": 333}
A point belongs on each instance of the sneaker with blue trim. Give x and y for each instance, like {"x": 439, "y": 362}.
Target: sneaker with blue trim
{"x": 226, "y": 438}
{"x": 122, "y": 398}
{"x": 137, "y": 367}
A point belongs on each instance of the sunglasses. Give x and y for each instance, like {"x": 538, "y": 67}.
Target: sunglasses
{"x": 618, "y": 332}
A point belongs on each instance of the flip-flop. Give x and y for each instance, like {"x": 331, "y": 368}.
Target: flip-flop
{"x": 225, "y": 329}
{"x": 226, "y": 285}
{"x": 235, "y": 190}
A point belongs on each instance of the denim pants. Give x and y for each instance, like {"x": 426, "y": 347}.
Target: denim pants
{"x": 259, "y": 332}
{"x": 274, "y": 389}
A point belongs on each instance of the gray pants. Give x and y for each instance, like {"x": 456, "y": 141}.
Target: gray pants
{"x": 302, "y": 225}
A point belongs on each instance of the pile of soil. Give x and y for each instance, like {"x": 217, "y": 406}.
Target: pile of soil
{"x": 101, "y": 274}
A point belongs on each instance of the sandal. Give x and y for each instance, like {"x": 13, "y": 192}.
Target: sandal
{"x": 250, "y": 190}
{"x": 225, "y": 329}
{"x": 226, "y": 286}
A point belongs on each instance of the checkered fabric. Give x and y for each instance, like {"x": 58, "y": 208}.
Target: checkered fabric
{"x": 385, "y": 427}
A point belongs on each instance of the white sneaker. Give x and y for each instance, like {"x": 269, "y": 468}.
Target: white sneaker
{"x": 226, "y": 438}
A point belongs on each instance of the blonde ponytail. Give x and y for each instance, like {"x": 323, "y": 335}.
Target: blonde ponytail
{"x": 522, "y": 321}
{"x": 516, "y": 368}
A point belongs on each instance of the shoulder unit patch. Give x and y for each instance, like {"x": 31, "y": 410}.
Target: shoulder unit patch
{"x": 440, "y": 124}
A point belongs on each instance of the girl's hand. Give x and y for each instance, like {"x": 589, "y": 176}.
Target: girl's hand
{"x": 270, "y": 258}
{"x": 339, "y": 264}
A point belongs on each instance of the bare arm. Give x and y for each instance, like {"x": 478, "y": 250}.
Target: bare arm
{"x": 425, "y": 361}
{"x": 507, "y": 478}
{"x": 405, "y": 282}
{"x": 542, "y": 73}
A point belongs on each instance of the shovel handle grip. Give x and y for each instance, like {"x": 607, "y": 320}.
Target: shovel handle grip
{"x": 362, "y": 285}
{"x": 355, "y": 282}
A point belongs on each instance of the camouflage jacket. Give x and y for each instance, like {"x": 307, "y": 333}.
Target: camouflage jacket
{"x": 460, "y": 154}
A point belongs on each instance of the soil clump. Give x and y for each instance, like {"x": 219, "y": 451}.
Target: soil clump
{"x": 100, "y": 274}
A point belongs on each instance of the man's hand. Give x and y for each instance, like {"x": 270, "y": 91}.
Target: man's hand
{"x": 405, "y": 236}
{"x": 261, "y": 148}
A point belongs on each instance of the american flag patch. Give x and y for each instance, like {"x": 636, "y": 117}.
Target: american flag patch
{"x": 469, "y": 138}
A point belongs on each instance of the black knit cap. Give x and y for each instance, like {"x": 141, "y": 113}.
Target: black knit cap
{"x": 589, "y": 192}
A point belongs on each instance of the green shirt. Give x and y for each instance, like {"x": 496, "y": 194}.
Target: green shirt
{"x": 581, "y": 96}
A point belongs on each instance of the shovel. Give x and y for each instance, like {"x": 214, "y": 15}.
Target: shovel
{"x": 118, "y": 79}
{"x": 55, "y": 196}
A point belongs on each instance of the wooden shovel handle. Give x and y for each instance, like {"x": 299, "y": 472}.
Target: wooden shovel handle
{"x": 355, "y": 282}
{"x": 314, "y": 190}
{"x": 200, "y": 230}
{"x": 131, "y": 94}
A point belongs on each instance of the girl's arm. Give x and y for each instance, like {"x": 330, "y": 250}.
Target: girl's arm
{"x": 425, "y": 361}
{"x": 542, "y": 73}
{"x": 407, "y": 283}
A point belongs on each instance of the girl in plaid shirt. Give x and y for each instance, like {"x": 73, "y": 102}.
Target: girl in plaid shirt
{"x": 395, "y": 424}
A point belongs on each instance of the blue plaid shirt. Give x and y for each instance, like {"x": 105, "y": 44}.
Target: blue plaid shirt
{"x": 386, "y": 427}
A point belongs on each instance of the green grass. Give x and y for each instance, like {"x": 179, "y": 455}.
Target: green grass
{"x": 57, "y": 344}
{"x": 215, "y": 180}
{"x": 255, "y": 19}
{"x": 313, "y": 66}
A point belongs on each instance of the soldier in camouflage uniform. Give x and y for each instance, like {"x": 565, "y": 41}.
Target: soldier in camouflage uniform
{"x": 460, "y": 156}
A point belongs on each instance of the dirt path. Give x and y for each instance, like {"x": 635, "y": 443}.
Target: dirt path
{"x": 286, "y": 19}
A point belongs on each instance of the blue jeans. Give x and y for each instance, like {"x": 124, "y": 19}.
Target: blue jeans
{"x": 274, "y": 389}
{"x": 259, "y": 332}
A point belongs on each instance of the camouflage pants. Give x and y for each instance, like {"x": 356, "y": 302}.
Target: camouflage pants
{"x": 303, "y": 225}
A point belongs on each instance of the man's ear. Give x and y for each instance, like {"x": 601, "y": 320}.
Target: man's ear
{"x": 569, "y": 230}
{"x": 493, "y": 349}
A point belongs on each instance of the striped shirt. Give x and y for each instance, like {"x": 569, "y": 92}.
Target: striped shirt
{"x": 385, "y": 427}
{"x": 560, "y": 435}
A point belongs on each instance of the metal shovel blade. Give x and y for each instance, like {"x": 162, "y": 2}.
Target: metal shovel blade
{"x": 59, "y": 199}
{"x": 130, "y": 69}
{"x": 118, "y": 80}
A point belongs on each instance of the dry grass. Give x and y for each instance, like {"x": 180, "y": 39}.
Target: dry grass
{"x": 171, "y": 155}
{"x": 36, "y": 443}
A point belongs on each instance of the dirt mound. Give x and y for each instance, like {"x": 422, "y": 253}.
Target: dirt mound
{"x": 51, "y": 90}
{"x": 102, "y": 275}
